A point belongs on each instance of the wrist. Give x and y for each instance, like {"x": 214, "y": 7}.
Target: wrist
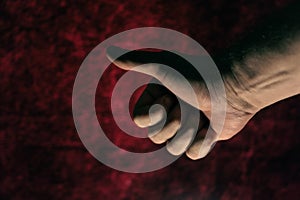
{"x": 238, "y": 93}
{"x": 263, "y": 80}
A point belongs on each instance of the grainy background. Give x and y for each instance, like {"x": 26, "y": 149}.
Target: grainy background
{"x": 42, "y": 45}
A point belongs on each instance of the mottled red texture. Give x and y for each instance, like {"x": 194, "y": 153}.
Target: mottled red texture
{"x": 41, "y": 156}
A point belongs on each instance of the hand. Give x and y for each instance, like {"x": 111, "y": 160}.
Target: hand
{"x": 238, "y": 112}
{"x": 257, "y": 71}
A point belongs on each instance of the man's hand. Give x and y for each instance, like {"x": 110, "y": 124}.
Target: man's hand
{"x": 258, "y": 71}
{"x": 238, "y": 111}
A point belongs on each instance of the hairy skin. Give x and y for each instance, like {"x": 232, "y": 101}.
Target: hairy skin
{"x": 257, "y": 71}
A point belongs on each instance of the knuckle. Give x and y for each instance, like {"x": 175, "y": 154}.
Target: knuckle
{"x": 175, "y": 122}
{"x": 193, "y": 155}
{"x": 173, "y": 151}
{"x": 226, "y": 135}
{"x": 140, "y": 122}
{"x": 155, "y": 139}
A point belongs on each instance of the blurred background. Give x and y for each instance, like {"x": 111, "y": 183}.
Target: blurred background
{"x": 42, "y": 45}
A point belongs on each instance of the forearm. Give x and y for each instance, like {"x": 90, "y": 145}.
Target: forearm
{"x": 265, "y": 66}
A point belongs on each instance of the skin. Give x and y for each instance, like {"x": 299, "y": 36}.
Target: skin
{"x": 259, "y": 70}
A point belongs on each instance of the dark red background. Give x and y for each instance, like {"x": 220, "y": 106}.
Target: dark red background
{"x": 41, "y": 156}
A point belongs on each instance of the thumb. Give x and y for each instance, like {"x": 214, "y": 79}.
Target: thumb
{"x": 130, "y": 60}
{"x": 172, "y": 71}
